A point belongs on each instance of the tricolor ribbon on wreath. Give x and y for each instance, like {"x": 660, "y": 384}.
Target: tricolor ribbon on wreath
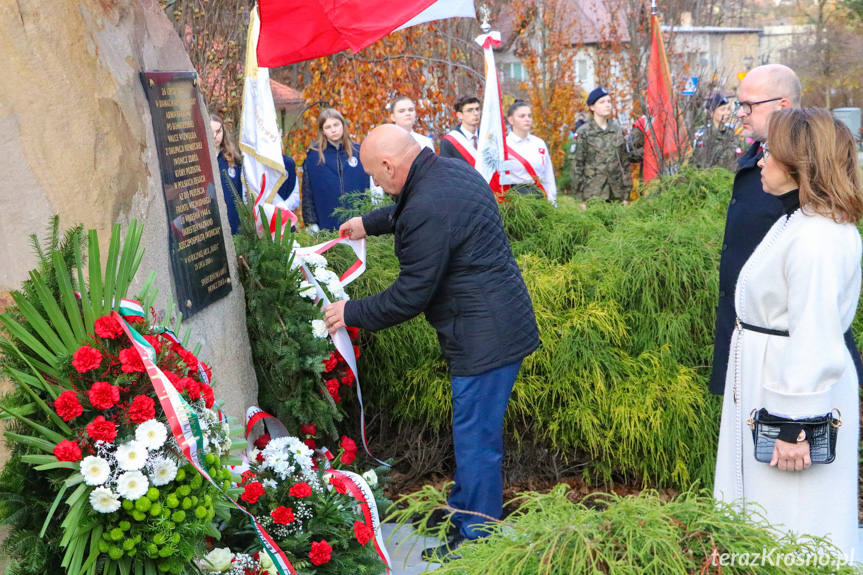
{"x": 355, "y": 484}
{"x": 341, "y": 340}
{"x": 185, "y": 425}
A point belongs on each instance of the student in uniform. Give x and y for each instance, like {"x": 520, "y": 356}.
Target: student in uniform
{"x": 403, "y": 113}
{"x": 462, "y": 142}
{"x": 530, "y": 160}
{"x": 331, "y": 170}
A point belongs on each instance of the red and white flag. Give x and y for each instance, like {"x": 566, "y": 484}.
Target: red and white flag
{"x": 492, "y": 156}
{"x": 297, "y": 30}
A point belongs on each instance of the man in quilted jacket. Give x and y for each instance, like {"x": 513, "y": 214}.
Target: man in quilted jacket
{"x": 456, "y": 267}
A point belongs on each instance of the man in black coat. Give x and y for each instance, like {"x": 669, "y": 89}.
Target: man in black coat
{"x": 752, "y": 212}
{"x": 457, "y": 267}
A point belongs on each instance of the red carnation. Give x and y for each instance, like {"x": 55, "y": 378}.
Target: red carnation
{"x": 300, "y": 490}
{"x": 67, "y": 451}
{"x": 155, "y": 342}
{"x": 103, "y": 395}
{"x": 247, "y": 476}
{"x": 181, "y": 383}
{"x": 348, "y": 378}
{"x": 86, "y": 358}
{"x": 67, "y": 406}
{"x": 331, "y": 363}
{"x": 130, "y": 361}
{"x": 348, "y": 457}
{"x": 100, "y": 429}
{"x": 283, "y": 515}
{"x": 333, "y": 388}
{"x": 339, "y": 484}
{"x": 260, "y": 457}
{"x": 320, "y": 553}
{"x": 188, "y": 357}
{"x": 253, "y": 492}
{"x": 308, "y": 429}
{"x": 207, "y": 392}
{"x": 143, "y": 409}
{"x": 193, "y": 388}
{"x": 363, "y": 532}
{"x": 310, "y": 443}
{"x": 108, "y": 327}
{"x": 348, "y": 444}
{"x": 173, "y": 377}
{"x": 353, "y": 332}
{"x": 357, "y": 351}
{"x": 262, "y": 441}
{"x": 133, "y": 319}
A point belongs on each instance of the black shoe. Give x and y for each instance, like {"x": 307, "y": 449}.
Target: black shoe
{"x": 437, "y": 518}
{"x": 446, "y": 552}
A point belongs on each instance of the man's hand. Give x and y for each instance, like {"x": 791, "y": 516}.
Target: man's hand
{"x": 334, "y": 315}
{"x": 791, "y": 456}
{"x": 353, "y": 228}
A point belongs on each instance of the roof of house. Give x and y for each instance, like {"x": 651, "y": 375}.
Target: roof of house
{"x": 284, "y": 96}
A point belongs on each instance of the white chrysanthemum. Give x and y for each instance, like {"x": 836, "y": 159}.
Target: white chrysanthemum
{"x": 152, "y": 434}
{"x": 132, "y": 485}
{"x": 308, "y": 290}
{"x": 324, "y": 275}
{"x": 104, "y": 500}
{"x": 95, "y": 470}
{"x": 315, "y": 260}
{"x": 319, "y": 328}
{"x": 270, "y": 484}
{"x": 132, "y": 456}
{"x": 335, "y": 287}
{"x": 164, "y": 471}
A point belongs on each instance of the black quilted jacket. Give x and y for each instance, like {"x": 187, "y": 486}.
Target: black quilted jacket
{"x": 456, "y": 266}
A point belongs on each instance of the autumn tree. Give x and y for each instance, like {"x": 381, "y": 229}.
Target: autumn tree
{"x": 214, "y": 34}
{"x": 544, "y": 31}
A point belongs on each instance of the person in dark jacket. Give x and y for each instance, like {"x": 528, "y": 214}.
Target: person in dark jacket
{"x": 752, "y": 212}
{"x": 289, "y": 191}
{"x": 457, "y": 267}
{"x": 331, "y": 170}
{"x": 230, "y": 162}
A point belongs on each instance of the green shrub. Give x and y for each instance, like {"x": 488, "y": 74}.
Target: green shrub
{"x": 624, "y": 298}
{"x": 633, "y": 535}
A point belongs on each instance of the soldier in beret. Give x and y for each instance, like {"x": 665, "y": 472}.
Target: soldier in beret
{"x": 601, "y": 154}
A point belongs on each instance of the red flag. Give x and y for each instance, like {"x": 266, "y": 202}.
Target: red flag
{"x": 662, "y": 135}
{"x": 298, "y": 30}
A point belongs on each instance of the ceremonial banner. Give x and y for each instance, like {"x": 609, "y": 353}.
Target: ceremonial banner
{"x": 294, "y": 31}
{"x": 663, "y": 136}
{"x": 492, "y": 154}
{"x": 263, "y": 167}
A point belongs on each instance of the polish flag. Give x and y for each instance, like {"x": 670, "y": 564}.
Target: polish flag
{"x": 297, "y": 30}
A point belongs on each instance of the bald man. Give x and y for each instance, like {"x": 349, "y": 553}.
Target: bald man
{"x": 456, "y": 266}
{"x": 752, "y": 212}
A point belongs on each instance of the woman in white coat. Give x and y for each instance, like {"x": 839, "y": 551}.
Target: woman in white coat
{"x": 795, "y": 297}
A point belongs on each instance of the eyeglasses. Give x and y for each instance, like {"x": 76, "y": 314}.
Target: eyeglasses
{"x": 765, "y": 150}
{"x": 747, "y": 106}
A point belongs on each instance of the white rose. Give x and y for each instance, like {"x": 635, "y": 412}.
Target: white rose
{"x": 265, "y": 561}
{"x": 308, "y": 290}
{"x": 218, "y": 560}
{"x": 371, "y": 477}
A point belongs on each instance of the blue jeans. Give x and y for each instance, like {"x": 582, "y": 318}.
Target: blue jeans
{"x": 478, "y": 406}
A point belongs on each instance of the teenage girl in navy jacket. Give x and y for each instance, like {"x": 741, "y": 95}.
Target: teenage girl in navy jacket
{"x": 230, "y": 168}
{"x": 332, "y": 169}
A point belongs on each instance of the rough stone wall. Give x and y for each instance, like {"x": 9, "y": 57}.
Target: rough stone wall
{"x": 76, "y": 139}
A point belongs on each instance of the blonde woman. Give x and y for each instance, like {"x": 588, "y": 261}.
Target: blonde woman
{"x": 795, "y": 298}
{"x": 230, "y": 162}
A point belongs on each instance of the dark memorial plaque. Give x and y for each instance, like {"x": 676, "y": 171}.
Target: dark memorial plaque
{"x": 199, "y": 263}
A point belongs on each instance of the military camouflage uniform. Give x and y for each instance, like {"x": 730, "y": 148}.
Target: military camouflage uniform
{"x": 600, "y": 162}
{"x": 716, "y": 147}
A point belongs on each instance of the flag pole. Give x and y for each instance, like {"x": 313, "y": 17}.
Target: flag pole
{"x": 652, "y": 7}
